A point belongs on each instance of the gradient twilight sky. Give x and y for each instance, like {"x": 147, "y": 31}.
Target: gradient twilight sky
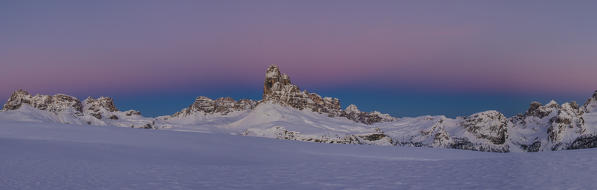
{"x": 406, "y": 58}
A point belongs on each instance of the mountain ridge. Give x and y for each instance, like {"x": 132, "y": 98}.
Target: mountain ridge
{"x": 287, "y": 112}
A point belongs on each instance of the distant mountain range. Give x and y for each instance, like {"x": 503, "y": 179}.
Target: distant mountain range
{"x": 287, "y": 112}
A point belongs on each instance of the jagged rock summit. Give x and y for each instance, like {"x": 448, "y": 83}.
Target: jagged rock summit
{"x": 591, "y": 104}
{"x": 56, "y": 103}
{"x": 279, "y": 89}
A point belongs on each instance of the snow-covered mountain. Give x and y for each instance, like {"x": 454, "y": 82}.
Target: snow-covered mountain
{"x": 60, "y": 108}
{"x": 287, "y": 112}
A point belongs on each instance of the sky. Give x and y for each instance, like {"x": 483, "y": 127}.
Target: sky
{"x": 406, "y": 58}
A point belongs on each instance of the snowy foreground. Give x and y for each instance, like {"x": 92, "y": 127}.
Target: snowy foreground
{"x": 58, "y": 156}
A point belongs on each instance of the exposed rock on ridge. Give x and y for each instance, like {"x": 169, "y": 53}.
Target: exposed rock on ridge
{"x": 353, "y": 113}
{"x": 279, "y": 89}
{"x": 68, "y": 109}
{"x": 56, "y": 103}
{"x": 548, "y": 127}
{"x": 541, "y": 128}
{"x": 591, "y": 104}
{"x": 223, "y": 106}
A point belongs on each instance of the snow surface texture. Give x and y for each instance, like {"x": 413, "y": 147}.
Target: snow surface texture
{"x": 60, "y": 156}
{"x": 286, "y": 112}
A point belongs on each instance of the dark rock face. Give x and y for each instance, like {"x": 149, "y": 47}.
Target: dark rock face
{"x": 465, "y": 144}
{"x": 535, "y": 147}
{"x": 221, "y": 105}
{"x": 490, "y": 125}
{"x": 374, "y": 137}
{"x": 279, "y": 89}
{"x": 132, "y": 112}
{"x": 535, "y": 110}
{"x": 96, "y": 115}
{"x": 56, "y": 103}
{"x": 585, "y": 141}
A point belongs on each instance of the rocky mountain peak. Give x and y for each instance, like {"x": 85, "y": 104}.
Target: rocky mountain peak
{"x": 277, "y": 84}
{"x": 491, "y": 125}
{"x": 99, "y": 107}
{"x": 106, "y": 103}
{"x": 352, "y": 109}
{"x": 279, "y": 89}
{"x": 56, "y": 103}
{"x": 16, "y": 100}
{"x": 538, "y": 110}
{"x": 552, "y": 104}
{"x": 591, "y": 104}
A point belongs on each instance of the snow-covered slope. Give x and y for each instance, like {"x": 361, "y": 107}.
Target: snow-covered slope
{"x": 286, "y": 112}
{"x": 61, "y": 108}
{"x": 59, "y": 156}
{"x": 273, "y": 120}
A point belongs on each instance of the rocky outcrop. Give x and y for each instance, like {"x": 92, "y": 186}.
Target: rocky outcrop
{"x": 132, "y": 113}
{"x": 353, "y": 113}
{"x": 567, "y": 122}
{"x": 279, "y": 89}
{"x": 100, "y": 103}
{"x": 378, "y": 138}
{"x": 223, "y": 106}
{"x": 67, "y": 109}
{"x": 591, "y": 104}
{"x": 489, "y": 125}
{"x": 100, "y": 107}
{"x": 585, "y": 141}
{"x": 548, "y": 127}
{"x": 56, "y": 103}
{"x": 484, "y": 131}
